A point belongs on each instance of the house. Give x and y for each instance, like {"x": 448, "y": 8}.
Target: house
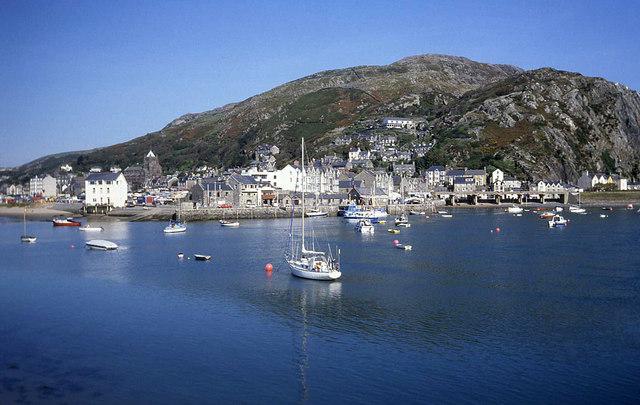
{"x": 286, "y": 178}
{"x": 511, "y": 183}
{"x": 211, "y": 193}
{"x": 464, "y": 184}
{"x": 435, "y": 175}
{"x": 105, "y": 189}
{"x": 135, "y": 176}
{"x": 588, "y": 181}
{"x": 479, "y": 176}
{"x": 357, "y": 154}
{"x": 407, "y": 169}
{"x": 43, "y": 186}
{"x": 66, "y": 168}
{"x": 246, "y": 190}
{"x": 397, "y": 122}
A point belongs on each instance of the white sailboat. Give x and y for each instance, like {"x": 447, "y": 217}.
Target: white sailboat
{"x": 310, "y": 264}
{"x": 176, "y": 225}
{"x": 25, "y": 237}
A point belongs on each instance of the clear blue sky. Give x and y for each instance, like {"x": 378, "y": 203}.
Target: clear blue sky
{"x": 81, "y": 74}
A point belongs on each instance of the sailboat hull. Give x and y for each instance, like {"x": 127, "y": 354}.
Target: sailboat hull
{"x": 314, "y": 275}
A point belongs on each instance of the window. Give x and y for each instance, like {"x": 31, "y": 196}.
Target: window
{"x": 107, "y": 189}
{"x": 108, "y": 181}
{"x": 94, "y": 190}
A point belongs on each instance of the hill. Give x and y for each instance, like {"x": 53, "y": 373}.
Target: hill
{"x": 541, "y": 123}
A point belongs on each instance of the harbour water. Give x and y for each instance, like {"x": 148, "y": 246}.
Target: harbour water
{"x": 527, "y": 314}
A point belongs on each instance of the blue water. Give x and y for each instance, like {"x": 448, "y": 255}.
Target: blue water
{"x": 527, "y": 314}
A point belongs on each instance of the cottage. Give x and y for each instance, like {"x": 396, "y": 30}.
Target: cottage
{"x": 396, "y": 122}
{"x": 464, "y": 184}
{"x": 212, "y": 193}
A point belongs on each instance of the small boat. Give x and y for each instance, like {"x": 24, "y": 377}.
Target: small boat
{"x": 403, "y": 247}
{"x": 402, "y": 220}
{"x": 380, "y": 221}
{"x": 175, "y": 227}
{"x": 100, "y": 244}
{"x": 364, "y": 226}
{"x": 26, "y": 237}
{"x": 557, "y": 221}
{"x": 394, "y": 231}
{"x": 629, "y": 206}
{"x": 577, "y": 210}
{"x": 62, "y": 221}
{"x": 229, "y": 224}
{"x": 447, "y": 216}
{"x": 88, "y": 228}
{"x": 315, "y": 213}
{"x": 203, "y": 258}
{"x": 417, "y": 213}
{"x": 404, "y": 225}
{"x": 607, "y": 208}
{"x": 546, "y": 215}
{"x": 518, "y": 215}
{"x": 514, "y": 210}
{"x": 442, "y": 212}
{"x": 180, "y": 255}
{"x": 558, "y": 209}
{"x": 603, "y": 215}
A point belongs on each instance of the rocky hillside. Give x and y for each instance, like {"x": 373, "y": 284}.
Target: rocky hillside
{"x": 545, "y": 124}
{"x": 542, "y": 123}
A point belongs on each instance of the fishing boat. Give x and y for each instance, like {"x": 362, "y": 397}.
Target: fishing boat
{"x": 313, "y": 213}
{"x": 310, "y": 264}
{"x": 229, "y": 224}
{"x": 203, "y": 258}
{"x": 353, "y": 212}
{"x": 100, "y": 244}
{"x": 557, "y": 221}
{"x": 175, "y": 224}
{"x": 26, "y": 237}
{"x": 364, "y": 226}
{"x": 514, "y": 210}
{"x": 62, "y": 221}
{"x": 88, "y": 228}
{"x": 394, "y": 231}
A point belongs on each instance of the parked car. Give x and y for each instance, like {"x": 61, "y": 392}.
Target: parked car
{"x": 225, "y": 205}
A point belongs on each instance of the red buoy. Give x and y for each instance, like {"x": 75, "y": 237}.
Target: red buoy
{"x": 497, "y": 229}
{"x": 268, "y": 267}
{"x": 395, "y": 242}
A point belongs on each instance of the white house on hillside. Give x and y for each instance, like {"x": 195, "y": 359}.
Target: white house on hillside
{"x": 396, "y": 122}
{"x": 105, "y": 188}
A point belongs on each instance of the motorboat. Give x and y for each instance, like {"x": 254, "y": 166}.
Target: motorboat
{"x": 402, "y": 246}
{"x": 229, "y": 224}
{"x": 607, "y": 208}
{"x": 446, "y": 216}
{"x": 442, "y": 212}
{"x": 546, "y": 215}
{"x": 402, "y": 220}
{"x": 557, "y": 221}
{"x": 514, "y": 210}
{"x": 353, "y": 212}
{"x": 313, "y": 264}
{"x": 26, "y": 238}
{"x": 315, "y": 213}
{"x": 558, "y": 209}
{"x": 364, "y": 226}
{"x": 100, "y": 244}
{"x": 180, "y": 255}
{"x": 394, "y": 231}
{"x": 88, "y": 228}
{"x": 417, "y": 213}
{"x": 202, "y": 258}
{"x": 603, "y": 215}
{"x": 577, "y": 210}
{"x": 62, "y": 221}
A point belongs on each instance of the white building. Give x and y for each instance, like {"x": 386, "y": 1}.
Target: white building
{"x": 395, "y": 122}
{"x": 284, "y": 179}
{"x": 44, "y": 186}
{"x": 105, "y": 188}
{"x": 66, "y": 168}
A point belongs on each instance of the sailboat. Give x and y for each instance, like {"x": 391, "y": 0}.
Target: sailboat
{"x": 310, "y": 264}
{"x": 176, "y": 225}
{"x": 25, "y": 237}
{"x": 578, "y": 209}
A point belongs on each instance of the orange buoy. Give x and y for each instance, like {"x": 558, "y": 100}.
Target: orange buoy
{"x": 268, "y": 267}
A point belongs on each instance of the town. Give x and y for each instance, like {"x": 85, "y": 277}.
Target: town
{"x": 330, "y": 181}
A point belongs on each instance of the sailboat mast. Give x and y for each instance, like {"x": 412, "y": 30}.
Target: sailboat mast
{"x": 24, "y": 220}
{"x": 303, "y": 185}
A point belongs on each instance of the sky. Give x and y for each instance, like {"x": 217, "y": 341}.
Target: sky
{"x": 81, "y": 74}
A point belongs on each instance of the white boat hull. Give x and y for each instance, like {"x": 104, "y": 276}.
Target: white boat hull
{"x": 101, "y": 245}
{"x": 90, "y": 229}
{"x": 175, "y": 229}
{"x": 28, "y": 239}
{"x": 230, "y": 224}
{"x": 314, "y": 275}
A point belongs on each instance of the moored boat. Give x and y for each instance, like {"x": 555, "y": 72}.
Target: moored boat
{"x": 203, "y": 258}
{"x": 546, "y": 215}
{"x": 313, "y": 213}
{"x": 364, "y": 226}
{"x": 446, "y": 216}
{"x": 514, "y": 210}
{"x": 577, "y": 210}
{"x": 88, "y": 228}
{"x": 100, "y": 244}
{"x": 394, "y": 231}
{"x": 557, "y": 221}
{"x": 229, "y": 224}
{"x": 26, "y": 238}
{"x": 62, "y": 221}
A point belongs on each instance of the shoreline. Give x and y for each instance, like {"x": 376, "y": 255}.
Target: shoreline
{"x": 164, "y": 213}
